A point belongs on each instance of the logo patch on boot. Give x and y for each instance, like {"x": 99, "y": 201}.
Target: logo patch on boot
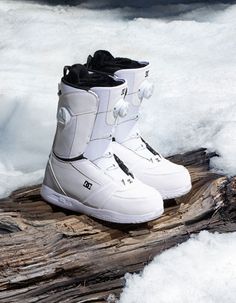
{"x": 87, "y": 185}
{"x": 146, "y": 73}
{"x": 124, "y": 91}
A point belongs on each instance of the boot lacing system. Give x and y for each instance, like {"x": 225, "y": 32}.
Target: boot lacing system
{"x": 120, "y": 110}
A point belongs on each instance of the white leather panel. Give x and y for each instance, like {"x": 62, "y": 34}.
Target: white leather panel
{"x": 72, "y": 137}
{"x": 134, "y": 77}
{"x": 108, "y": 98}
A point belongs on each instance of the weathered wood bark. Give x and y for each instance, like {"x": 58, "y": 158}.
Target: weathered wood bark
{"x": 49, "y": 255}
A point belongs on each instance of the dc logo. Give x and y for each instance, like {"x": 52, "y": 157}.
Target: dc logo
{"x": 124, "y": 91}
{"x": 87, "y": 185}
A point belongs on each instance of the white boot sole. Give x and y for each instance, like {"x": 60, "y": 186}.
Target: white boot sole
{"x": 107, "y": 215}
{"x": 175, "y": 194}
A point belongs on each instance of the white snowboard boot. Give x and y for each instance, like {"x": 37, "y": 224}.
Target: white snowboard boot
{"x": 170, "y": 179}
{"x": 82, "y": 173}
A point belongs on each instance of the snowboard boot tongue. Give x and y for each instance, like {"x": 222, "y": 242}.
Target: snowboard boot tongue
{"x": 79, "y": 76}
{"x": 103, "y": 61}
{"x": 75, "y": 73}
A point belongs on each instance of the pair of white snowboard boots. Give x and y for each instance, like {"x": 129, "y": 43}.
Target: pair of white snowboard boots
{"x": 99, "y": 164}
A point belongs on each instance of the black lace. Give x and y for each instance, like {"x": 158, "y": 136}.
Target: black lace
{"x": 123, "y": 166}
{"x": 153, "y": 151}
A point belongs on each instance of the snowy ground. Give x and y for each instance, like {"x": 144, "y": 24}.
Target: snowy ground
{"x": 193, "y": 63}
{"x": 194, "y": 105}
{"x": 202, "y": 270}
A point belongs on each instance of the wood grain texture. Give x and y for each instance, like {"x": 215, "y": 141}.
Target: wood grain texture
{"x": 52, "y": 255}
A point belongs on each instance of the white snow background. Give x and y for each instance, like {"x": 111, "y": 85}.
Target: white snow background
{"x": 201, "y": 270}
{"x": 194, "y": 105}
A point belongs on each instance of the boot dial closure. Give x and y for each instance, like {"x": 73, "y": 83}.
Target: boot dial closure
{"x": 138, "y": 83}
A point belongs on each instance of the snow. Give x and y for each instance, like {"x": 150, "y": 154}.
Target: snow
{"x": 193, "y": 59}
{"x": 201, "y": 270}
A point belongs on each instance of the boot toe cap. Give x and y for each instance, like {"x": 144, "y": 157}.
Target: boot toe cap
{"x": 170, "y": 179}
{"x": 138, "y": 200}
{"x": 175, "y": 184}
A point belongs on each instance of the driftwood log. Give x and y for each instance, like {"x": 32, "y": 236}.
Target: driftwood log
{"x": 50, "y": 255}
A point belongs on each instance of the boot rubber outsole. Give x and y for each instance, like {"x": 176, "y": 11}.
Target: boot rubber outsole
{"x": 63, "y": 201}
